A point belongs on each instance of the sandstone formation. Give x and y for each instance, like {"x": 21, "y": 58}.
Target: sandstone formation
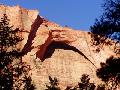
{"x": 52, "y": 50}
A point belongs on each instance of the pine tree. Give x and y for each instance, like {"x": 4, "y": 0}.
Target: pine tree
{"x": 84, "y": 84}
{"x": 108, "y": 25}
{"x": 8, "y": 52}
{"x": 53, "y": 84}
{"x": 110, "y": 72}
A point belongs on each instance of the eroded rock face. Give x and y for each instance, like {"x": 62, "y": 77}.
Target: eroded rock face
{"x": 52, "y": 50}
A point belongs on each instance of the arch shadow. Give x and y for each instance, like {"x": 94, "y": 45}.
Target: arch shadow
{"x": 61, "y": 45}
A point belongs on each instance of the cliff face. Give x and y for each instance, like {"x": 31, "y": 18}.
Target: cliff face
{"x": 52, "y": 50}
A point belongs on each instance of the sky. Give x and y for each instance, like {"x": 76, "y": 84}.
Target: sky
{"x": 77, "y": 14}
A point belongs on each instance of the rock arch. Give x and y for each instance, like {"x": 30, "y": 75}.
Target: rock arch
{"x": 58, "y": 39}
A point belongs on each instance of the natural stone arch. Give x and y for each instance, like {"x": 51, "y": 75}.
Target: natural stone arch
{"x": 60, "y": 38}
{"x": 66, "y": 63}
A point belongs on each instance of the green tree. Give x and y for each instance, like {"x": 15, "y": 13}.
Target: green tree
{"x": 101, "y": 87}
{"x": 8, "y": 52}
{"x": 53, "y": 84}
{"x": 108, "y": 25}
{"x": 110, "y": 72}
{"x": 84, "y": 84}
{"x": 13, "y": 72}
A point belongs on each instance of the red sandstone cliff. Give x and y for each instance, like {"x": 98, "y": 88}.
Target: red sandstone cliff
{"x": 52, "y": 50}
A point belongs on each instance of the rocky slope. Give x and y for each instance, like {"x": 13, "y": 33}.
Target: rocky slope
{"x": 52, "y": 50}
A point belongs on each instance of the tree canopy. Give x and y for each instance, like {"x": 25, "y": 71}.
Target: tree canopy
{"x": 108, "y": 24}
{"x": 8, "y": 52}
{"x": 110, "y": 72}
{"x": 13, "y": 72}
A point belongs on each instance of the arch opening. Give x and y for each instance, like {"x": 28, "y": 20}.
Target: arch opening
{"x": 61, "y": 45}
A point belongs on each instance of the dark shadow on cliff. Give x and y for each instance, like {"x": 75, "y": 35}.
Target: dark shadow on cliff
{"x": 60, "y": 45}
{"x": 57, "y": 45}
{"x": 34, "y": 27}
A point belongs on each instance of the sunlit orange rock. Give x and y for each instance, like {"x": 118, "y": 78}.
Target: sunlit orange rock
{"x": 52, "y": 50}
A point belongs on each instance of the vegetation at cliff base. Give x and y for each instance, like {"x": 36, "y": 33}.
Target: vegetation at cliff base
{"x": 53, "y": 84}
{"x": 84, "y": 84}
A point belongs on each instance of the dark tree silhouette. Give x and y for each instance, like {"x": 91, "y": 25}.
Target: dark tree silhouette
{"x": 108, "y": 26}
{"x": 22, "y": 80}
{"x": 13, "y": 72}
{"x": 84, "y": 84}
{"x": 101, "y": 87}
{"x": 28, "y": 84}
{"x": 110, "y": 72}
{"x": 53, "y": 84}
{"x": 8, "y": 52}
